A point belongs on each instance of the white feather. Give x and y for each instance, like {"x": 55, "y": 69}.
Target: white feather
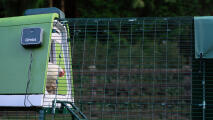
{"x": 52, "y": 75}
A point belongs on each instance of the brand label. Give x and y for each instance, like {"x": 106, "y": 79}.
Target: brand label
{"x": 30, "y": 39}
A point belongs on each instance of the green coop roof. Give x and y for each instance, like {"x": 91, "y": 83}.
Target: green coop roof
{"x": 15, "y": 59}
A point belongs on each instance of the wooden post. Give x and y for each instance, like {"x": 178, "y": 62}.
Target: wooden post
{"x": 62, "y": 5}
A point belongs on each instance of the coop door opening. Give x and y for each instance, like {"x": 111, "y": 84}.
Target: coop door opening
{"x": 58, "y": 74}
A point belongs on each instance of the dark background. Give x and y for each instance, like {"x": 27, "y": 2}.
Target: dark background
{"x": 112, "y": 8}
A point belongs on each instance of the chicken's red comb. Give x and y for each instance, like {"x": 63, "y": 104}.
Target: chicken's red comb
{"x": 61, "y": 73}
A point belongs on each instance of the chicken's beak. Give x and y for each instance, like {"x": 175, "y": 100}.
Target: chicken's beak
{"x": 61, "y": 73}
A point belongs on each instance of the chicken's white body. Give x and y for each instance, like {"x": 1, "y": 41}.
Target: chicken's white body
{"x": 54, "y": 71}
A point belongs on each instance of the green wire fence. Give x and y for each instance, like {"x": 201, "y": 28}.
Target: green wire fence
{"x": 133, "y": 68}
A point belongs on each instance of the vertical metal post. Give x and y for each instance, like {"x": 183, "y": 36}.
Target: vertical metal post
{"x": 73, "y": 118}
{"x": 204, "y": 92}
{"x": 53, "y": 108}
{"x": 202, "y": 73}
{"x": 42, "y": 114}
{"x": 92, "y": 69}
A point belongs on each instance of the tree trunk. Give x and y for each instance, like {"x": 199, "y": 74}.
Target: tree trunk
{"x": 70, "y": 8}
{"x": 62, "y": 5}
{"x": 50, "y": 3}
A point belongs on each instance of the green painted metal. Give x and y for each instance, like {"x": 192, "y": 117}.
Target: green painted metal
{"x": 203, "y": 36}
{"x": 15, "y": 59}
{"x": 42, "y": 114}
{"x": 202, "y": 69}
{"x": 74, "y": 110}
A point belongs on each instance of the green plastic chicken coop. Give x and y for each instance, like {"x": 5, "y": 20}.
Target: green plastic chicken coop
{"x": 28, "y": 44}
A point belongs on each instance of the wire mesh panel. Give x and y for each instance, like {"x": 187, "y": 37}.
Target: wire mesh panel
{"x": 133, "y": 68}
{"x": 17, "y": 114}
{"x": 59, "y": 73}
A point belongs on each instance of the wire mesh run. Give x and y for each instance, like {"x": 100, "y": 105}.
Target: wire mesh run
{"x": 133, "y": 68}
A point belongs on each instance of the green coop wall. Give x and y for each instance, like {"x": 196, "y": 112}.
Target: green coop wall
{"x": 15, "y": 59}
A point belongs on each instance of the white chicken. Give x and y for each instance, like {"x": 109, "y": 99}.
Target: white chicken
{"x": 54, "y": 71}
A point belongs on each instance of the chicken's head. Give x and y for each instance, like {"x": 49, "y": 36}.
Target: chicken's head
{"x": 61, "y": 72}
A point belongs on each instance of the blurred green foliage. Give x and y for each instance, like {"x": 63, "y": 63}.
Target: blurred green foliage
{"x": 112, "y": 8}
{"x": 16, "y": 7}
